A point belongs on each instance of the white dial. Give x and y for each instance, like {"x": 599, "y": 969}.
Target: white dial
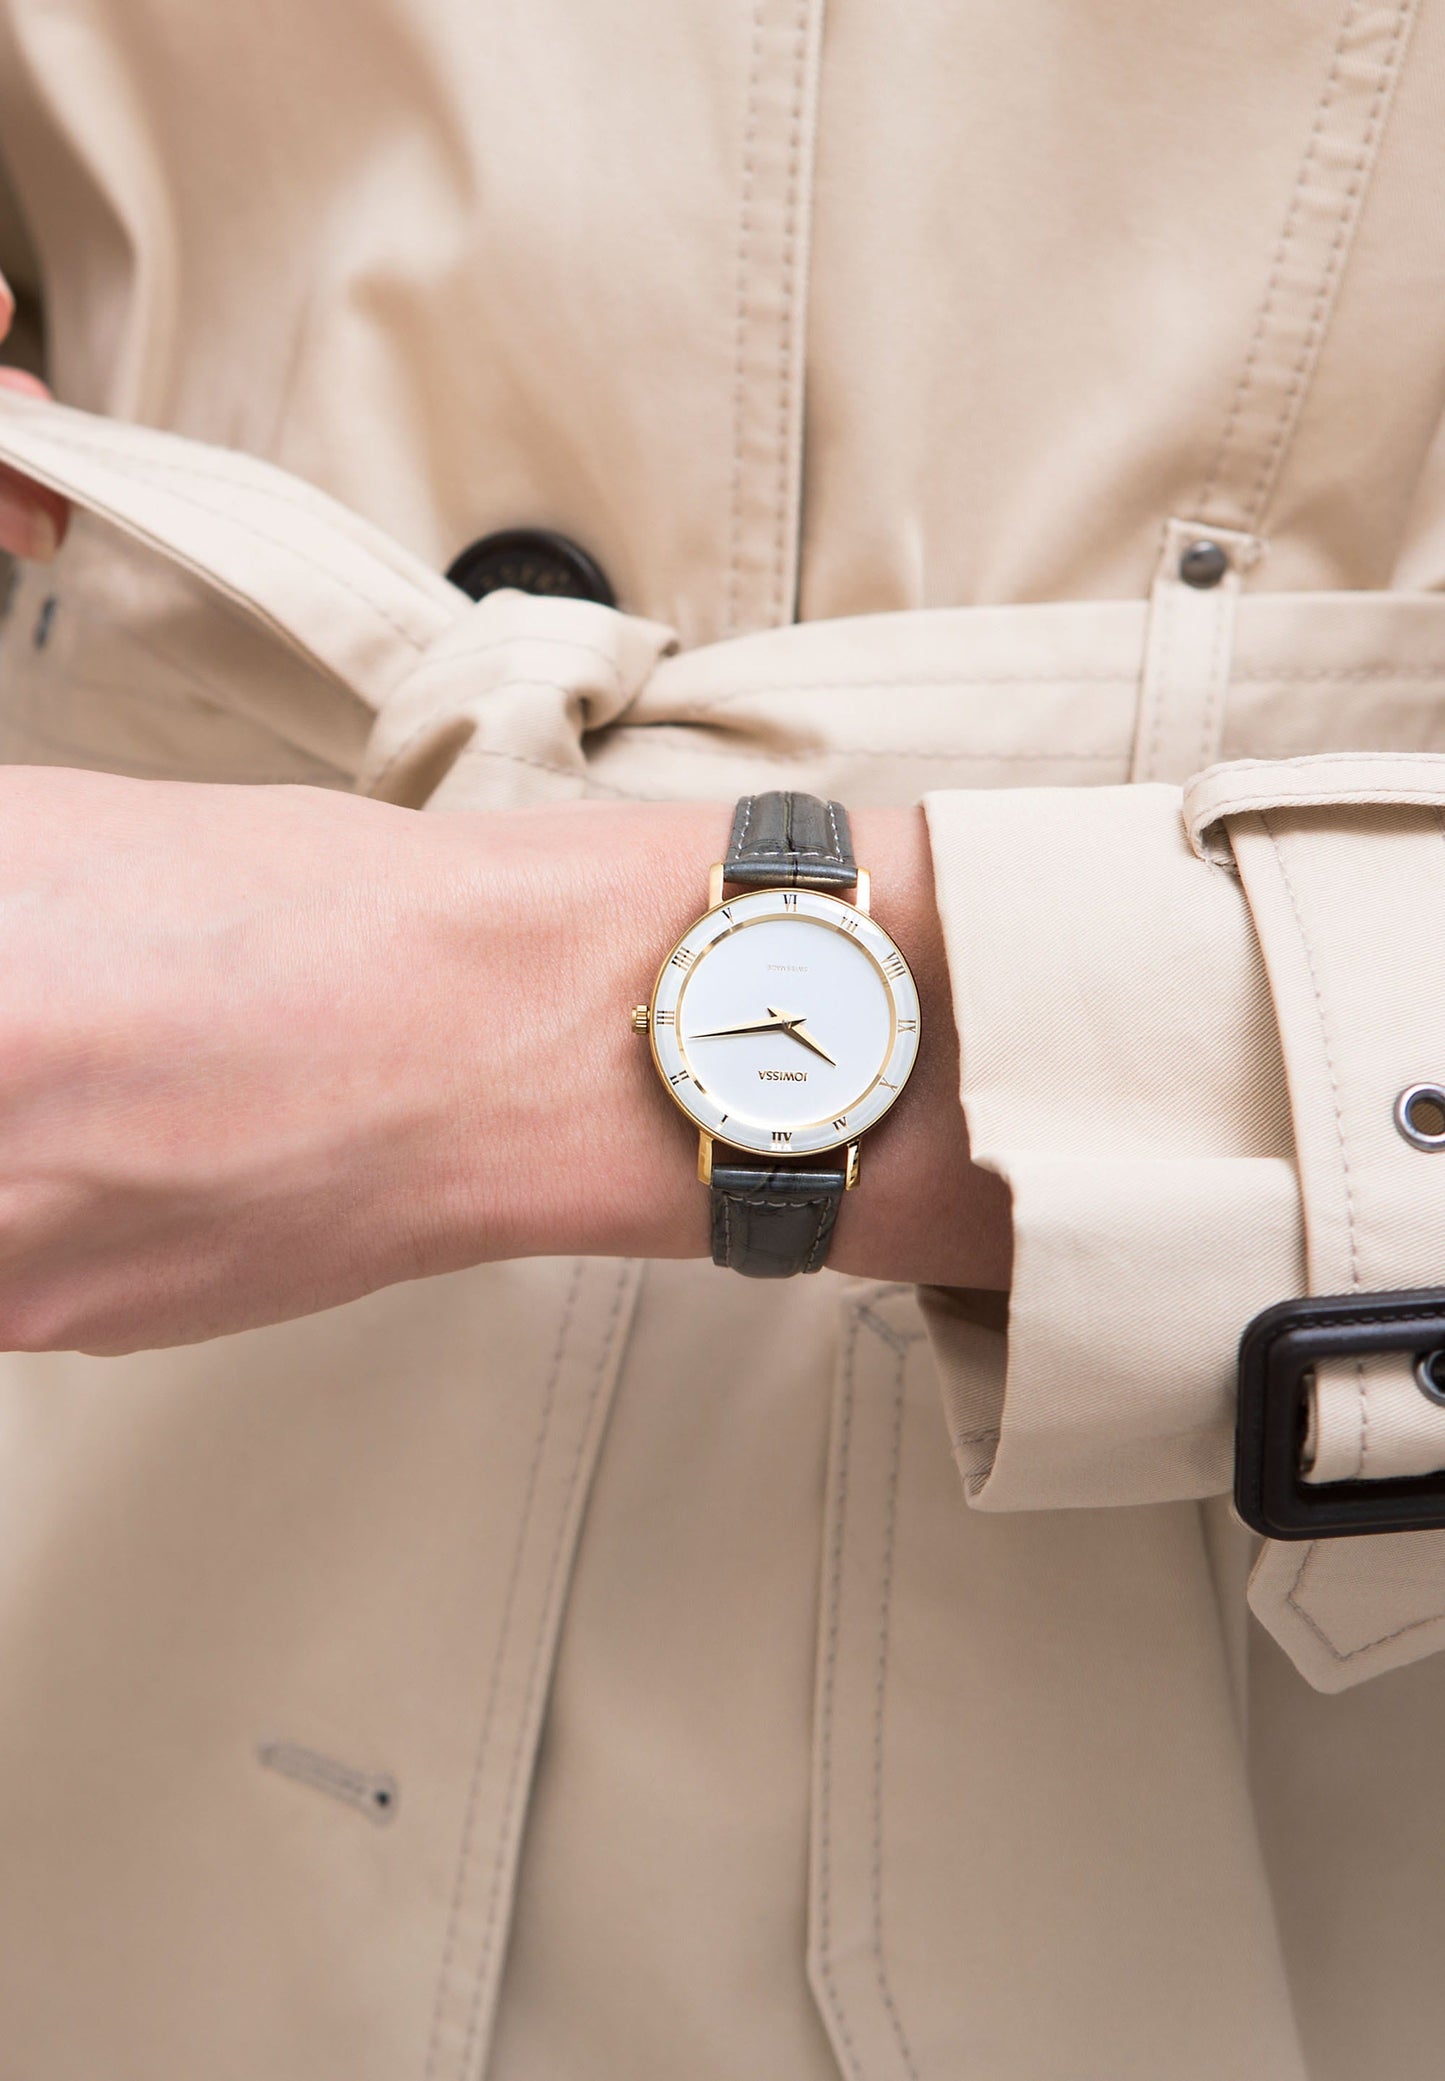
{"x": 785, "y": 1021}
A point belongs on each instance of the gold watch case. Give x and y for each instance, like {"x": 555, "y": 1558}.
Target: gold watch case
{"x": 658, "y": 1018}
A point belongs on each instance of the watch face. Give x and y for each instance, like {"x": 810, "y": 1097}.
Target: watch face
{"x": 785, "y": 1022}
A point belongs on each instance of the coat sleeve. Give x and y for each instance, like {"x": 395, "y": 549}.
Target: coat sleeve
{"x": 1186, "y": 1018}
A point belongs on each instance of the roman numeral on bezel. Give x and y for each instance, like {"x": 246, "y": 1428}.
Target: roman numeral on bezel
{"x": 782, "y": 1136}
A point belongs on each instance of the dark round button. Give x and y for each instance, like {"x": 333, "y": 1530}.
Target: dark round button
{"x": 531, "y": 560}
{"x": 1203, "y": 565}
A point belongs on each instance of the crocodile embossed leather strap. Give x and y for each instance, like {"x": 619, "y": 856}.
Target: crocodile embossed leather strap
{"x": 772, "y": 1222}
{"x": 785, "y": 841}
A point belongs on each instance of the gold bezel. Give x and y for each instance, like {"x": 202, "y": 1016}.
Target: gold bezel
{"x": 814, "y": 1137}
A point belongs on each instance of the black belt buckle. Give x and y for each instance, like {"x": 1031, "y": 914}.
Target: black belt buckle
{"x": 1277, "y": 1354}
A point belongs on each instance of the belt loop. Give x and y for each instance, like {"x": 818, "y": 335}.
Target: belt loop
{"x": 1188, "y": 644}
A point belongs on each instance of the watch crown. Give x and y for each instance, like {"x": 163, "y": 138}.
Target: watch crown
{"x": 640, "y": 1018}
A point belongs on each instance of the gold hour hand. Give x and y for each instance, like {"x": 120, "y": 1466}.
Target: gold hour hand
{"x": 799, "y": 1031}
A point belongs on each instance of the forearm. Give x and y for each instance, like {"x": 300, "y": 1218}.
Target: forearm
{"x": 595, "y": 1157}
{"x": 267, "y": 1049}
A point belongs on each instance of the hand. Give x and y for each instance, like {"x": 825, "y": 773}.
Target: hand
{"x": 32, "y": 519}
{"x": 264, "y": 1049}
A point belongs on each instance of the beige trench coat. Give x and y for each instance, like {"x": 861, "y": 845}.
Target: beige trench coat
{"x": 624, "y": 1672}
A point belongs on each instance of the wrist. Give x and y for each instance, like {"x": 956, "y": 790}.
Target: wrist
{"x": 584, "y": 1152}
{"x": 576, "y": 1149}
{"x": 923, "y": 1212}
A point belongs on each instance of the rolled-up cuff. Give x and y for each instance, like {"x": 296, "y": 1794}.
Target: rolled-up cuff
{"x": 1121, "y": 1071}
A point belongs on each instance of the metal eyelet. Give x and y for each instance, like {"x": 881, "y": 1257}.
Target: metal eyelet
{"x": 1430, "y": 1375}
{"x": 1420, "y": 1116}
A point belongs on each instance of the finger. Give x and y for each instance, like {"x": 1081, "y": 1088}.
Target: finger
{"x": 32, "y": 518}
{"x": 23, "y": 381}
{"x": 7, "y": 306}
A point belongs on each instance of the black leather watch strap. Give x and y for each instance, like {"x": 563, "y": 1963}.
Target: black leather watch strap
{"x": 772, "y": 1223}
{"x": 785, "y": 840}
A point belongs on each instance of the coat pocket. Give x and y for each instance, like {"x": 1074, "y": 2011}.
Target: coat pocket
{"x": 278, "y": 1616}
{"x": 1033, "y": 1853}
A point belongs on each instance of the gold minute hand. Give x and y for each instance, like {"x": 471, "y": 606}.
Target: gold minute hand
{"x": 773, "y": 1025}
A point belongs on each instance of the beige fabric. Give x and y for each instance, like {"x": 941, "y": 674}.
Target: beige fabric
{"x": 1357, "y": 989}
{"x": 724, "y": 1736}
{"x": 1359, "y": 956}
{"x": 1184, "y": 692}
{"x": 1136, "y": 1147}
{"x": 1356, "y": 983}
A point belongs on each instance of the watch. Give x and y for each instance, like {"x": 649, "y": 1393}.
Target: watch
{"x": 784, "y": 1024}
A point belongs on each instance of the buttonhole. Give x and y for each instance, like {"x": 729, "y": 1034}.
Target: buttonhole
{"x": 373, "y": 1793}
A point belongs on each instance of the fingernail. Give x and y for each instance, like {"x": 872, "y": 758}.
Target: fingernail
{"x": 44, "y": 537}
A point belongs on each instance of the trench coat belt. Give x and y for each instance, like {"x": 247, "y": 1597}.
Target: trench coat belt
{"x": 417, "y": 695}
{"x": 423, "y": 695}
